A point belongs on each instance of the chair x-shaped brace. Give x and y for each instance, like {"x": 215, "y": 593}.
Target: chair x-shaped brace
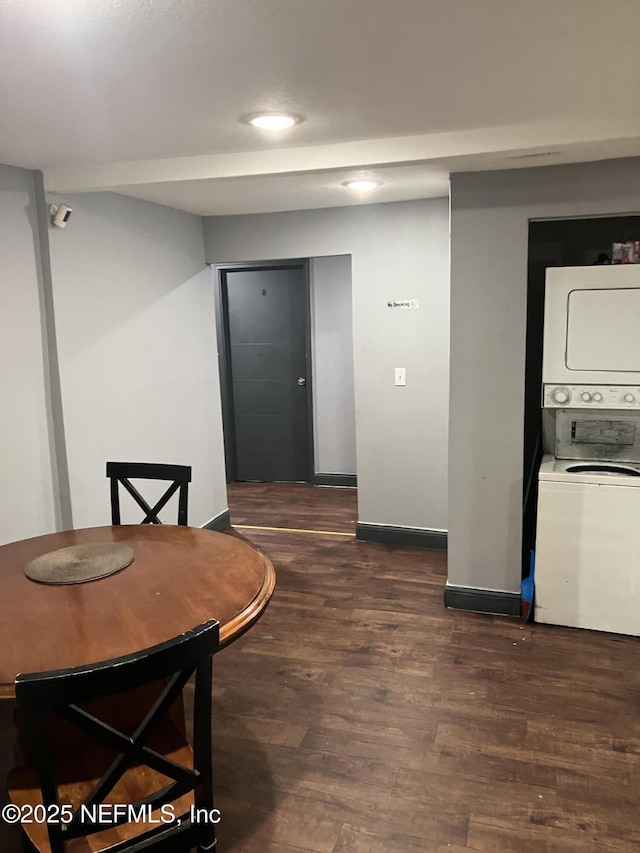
{"x": 131, "y": 749}
{"x": 151, "y": 516}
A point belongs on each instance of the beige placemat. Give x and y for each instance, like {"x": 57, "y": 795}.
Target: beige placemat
{"x": 79, "y": 563}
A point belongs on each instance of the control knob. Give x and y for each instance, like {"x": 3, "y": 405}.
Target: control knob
{"x": 629, "y": 398}
{"x": 561, "y": 395}
{"x": 597, "y": 397}
{"x": 586, "y": 396}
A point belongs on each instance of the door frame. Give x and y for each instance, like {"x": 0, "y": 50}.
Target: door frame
{"x": 224, "y": 354}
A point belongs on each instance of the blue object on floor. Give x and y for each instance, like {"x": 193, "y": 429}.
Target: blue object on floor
{"x": 527, "y": 590}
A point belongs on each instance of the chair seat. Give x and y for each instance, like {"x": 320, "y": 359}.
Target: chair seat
{"x": 78, "y": 770}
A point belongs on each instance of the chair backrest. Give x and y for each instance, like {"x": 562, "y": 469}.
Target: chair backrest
{"x": 44, "y": 697}
{"x": 124, "y": 472}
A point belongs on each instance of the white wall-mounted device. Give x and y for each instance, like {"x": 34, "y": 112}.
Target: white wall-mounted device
{"x": 400, "y": 376}
{"x": 60, "y": 214}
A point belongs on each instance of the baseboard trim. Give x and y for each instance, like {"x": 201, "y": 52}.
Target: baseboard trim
{"x": 220, "y": 523}
{"x": 385, "y": 534}
{"x": 335, "y": 480}
{"x": 482, "y": 600}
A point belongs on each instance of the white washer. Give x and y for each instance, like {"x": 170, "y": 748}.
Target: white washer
{"x": 587, "y": 570}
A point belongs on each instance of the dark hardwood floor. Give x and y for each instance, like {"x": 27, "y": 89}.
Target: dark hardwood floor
{"x": 293, "y": 505}
{"x": 360, "y": 716}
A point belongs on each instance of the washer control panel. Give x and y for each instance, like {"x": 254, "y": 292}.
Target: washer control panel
{"x": 591, "y": 397}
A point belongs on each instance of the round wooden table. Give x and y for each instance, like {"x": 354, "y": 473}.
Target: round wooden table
{"x": 179, "y": 578}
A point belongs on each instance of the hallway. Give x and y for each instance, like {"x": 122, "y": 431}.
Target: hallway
{"x": 293, "y": 506}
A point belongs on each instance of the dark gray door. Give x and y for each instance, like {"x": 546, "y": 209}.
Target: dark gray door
{"x": 267, "y": 322}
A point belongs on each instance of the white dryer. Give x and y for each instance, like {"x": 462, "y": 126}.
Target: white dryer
{"x": 587, "y": 569}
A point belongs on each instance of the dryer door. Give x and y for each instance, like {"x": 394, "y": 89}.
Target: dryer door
{"x": 602, "y": 330}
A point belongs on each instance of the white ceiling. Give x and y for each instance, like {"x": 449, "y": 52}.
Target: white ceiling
{"x": 144, "y": 97}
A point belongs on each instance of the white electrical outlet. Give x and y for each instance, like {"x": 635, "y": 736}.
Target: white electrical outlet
{"x": 401, "y": 376}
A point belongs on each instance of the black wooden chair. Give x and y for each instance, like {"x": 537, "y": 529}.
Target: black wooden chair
{"x": 148, "y": 769}
{"x": 123, "y": 472}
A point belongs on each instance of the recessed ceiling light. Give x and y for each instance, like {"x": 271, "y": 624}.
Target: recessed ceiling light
{"x": 361, "y": 186}
{"x": 273, "y": 121}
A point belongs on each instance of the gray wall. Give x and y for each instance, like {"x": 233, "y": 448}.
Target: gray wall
{"x": 490, "y": 215}
{"x": 332, "y": 357}
{"x": 137, "y": 349}
{"x": 399, "y": 251}
{"x": 28, "y": 502}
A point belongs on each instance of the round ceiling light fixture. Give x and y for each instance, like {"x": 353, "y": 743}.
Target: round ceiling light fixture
{"x": 361, "y": 185}
{"x": 273, "y": 121}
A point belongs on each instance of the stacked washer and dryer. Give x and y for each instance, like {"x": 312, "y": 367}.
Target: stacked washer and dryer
{"x": 587, "y": 565}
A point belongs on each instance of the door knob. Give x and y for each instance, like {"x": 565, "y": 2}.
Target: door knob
{"x": 302, "y": 381}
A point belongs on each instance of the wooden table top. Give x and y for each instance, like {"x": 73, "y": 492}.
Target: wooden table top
{"x": 179, "y": 578}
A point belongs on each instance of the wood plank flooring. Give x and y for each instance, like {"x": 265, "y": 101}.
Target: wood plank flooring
{"x": 293, "y": 505}
{"x": 360, "y": 716}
